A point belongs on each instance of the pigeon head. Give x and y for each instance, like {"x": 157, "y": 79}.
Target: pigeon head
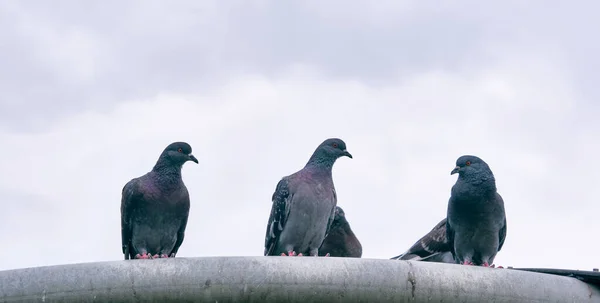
{"x": 177, "y": 154}
{"x": 339, "y": 217}
{"x": 339, "y": 212}
{"x": 329, "y": 151}
{"x": 469, "y": 166}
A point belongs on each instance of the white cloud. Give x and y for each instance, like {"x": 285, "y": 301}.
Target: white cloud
{"x": 73, "y": 50}
{"x": 247, "y": 134}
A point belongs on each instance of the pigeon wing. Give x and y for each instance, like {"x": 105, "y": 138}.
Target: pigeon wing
{"x": 181, "y": 231}
{"x": 432, "y": 243}
{"x": 450, "y": 237}
{"x": 502, "y": 235}
{"x": 129, "y": 201}
{"x": 331, "y": 216}
{"x": 279, "y": 213}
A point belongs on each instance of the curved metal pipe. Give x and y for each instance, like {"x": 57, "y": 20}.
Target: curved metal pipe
{"x": 285, "y": 279}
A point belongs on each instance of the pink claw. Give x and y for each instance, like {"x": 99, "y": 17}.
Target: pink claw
{"x": 142, "y": 256}
{"x": 164, "y": 256}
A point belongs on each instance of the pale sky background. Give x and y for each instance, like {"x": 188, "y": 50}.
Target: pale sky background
{"x": 92, "y": 91}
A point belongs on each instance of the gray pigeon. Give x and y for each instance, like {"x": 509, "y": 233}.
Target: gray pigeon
{"x": 433, "y": 247}
{"x": 476, "y": 226}
{"x": 341, "y": 241}
{"x": 304, "y": 204}
{"x": 155, "y": 207}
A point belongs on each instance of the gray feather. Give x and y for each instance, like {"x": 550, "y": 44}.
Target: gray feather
{"x": 304, "y": 204}
{"x": 155, "y": 206}
{"x": 476, "y": 226}
{"x": 340, "y": 240}
{"x": 433, "y": 247}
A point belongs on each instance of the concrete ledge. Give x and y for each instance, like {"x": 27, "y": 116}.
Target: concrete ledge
{"x": 285, "y": 279}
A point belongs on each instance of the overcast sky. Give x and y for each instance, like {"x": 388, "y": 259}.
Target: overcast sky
{"x": 92, "y": 91}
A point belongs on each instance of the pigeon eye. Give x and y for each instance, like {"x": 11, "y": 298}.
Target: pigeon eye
{"x": 334, "y": 144}
{"x": 468, "y": 163}
{"x": 180, "y": 150}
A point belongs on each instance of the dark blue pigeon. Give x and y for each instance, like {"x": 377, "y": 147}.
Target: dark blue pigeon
{"x": 341, "y": 240}
{"x": 433, "y": 247}
{"x": 304, "y": 204}
{"x": 155, "y": 207}
{"x": 476, "y": 226}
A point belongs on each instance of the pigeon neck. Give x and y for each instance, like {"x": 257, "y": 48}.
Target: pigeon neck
{"x": 321, "y": 163}
{"x": 167, "y": 172}
{"x": 483, "y": 182}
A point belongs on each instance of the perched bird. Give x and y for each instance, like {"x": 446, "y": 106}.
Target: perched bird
{"x": 433, "y": 247}
{"x": 476, "y": 226}
{"x": 304, "y": 204}
{"x": 155, "y": 207}
{"x": 340, "y": 241}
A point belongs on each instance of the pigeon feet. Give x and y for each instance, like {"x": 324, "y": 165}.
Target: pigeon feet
{"x": 485, "y": 264}
{"x": 326, "y": 255}
{"x": 143, "y": 256}
{"x": 150, "y": 256}
{"x": 467, "y": 263}
{"x": 291, "y": 253}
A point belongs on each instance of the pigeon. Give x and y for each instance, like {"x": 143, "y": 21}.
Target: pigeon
{"x": 340, "y": 241}
{"x": 476, "y": 225}
{"x": 155, "y": 207}
{"x": 304, "y": 204}
{"x": 433, "y": 247}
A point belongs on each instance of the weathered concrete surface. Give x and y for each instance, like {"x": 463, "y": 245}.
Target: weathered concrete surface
{"x": 285, "y": 279}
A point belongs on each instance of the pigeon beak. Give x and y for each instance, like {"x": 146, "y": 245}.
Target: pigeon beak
{"x": 347, "y": 154}
{"x": 455, "y": 170}
{"x": 192, "y": 158}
